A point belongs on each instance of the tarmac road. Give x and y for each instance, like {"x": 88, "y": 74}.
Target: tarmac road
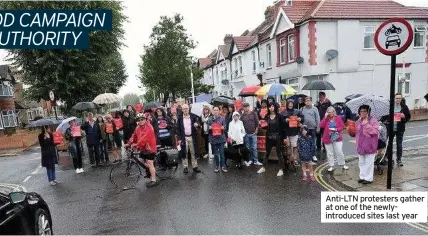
{"x": 238, "y": 202}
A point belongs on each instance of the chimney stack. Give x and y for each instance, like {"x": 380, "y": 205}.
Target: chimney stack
{"x": 228, "y": 38}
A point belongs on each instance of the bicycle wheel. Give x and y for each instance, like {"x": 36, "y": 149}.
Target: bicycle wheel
{"x": 125, "y": 175}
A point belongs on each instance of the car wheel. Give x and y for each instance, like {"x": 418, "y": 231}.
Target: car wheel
{"x": 43, "y": 222}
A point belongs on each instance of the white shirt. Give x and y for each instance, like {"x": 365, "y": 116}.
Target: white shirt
{"x": 236, "y": 131}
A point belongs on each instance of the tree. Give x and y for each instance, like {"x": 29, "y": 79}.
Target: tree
{"x": 74, "y": 75}
{"x": 165, "y": 63}
{"x": 130, "y": 99}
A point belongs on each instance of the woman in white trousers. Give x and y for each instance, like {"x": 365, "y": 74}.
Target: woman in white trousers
{"x": 367, "y": 136}
{"x": 332, "y": 138}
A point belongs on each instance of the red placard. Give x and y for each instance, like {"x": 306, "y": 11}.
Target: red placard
{"x": 109, "y": 128}
{"x": 263, "y": 123}
{"x": 76, "y": 131}
{"x": 57, "y": 137}
{"x": 293, "y": 122}
{"x": 118, "y": 123}
{"x": 162, "y": 124}
{"x": 238, "y": 104}
{"x": 261, "y": 143}
{"x": 216, "y": 128}
{"x": 139, "y": 107}
{"x": 397, "y": 117}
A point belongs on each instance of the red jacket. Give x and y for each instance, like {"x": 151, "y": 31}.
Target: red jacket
{"x": 144, "y": 137}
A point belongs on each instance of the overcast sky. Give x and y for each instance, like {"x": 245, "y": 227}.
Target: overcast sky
{"x": 207, "y": 21}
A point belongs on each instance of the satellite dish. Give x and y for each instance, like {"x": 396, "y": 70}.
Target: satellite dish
{"x": 300, "y": 60}
{"x": 332, "y": 54}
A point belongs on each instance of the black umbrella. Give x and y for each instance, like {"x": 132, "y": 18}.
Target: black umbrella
{"x": 318, "y": 85}
{"x": 152, "y": 105}
{"x": 81, "y": 106}
{"x": 352, "y": 96}
{"x": 222, "y": 100}
{"x": 43, "y": 122}
{"x": 426, "y": 97}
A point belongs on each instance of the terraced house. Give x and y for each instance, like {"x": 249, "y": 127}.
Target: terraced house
{"x": 330, "y": 40}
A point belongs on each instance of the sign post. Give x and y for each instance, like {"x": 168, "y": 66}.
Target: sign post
{"x": 392, "y": 37}
{"x": 52, "y": 97}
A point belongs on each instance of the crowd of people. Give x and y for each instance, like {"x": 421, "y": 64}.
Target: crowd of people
{"x": 302, "y": 128}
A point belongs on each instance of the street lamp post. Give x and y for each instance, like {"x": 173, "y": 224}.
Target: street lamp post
{"x": 191, "y": 79}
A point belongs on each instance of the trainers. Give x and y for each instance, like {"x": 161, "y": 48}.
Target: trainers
{"x": 330, "y": 169}
{"x": 314, "y": 159}
{"x": 205, "y": 156}
{"x": 224, "y": 170}
{"x": 313, "y": 178}
{"x": 280, "y": 173}
{"x": 305, "y": 178}
{"x": 216, "y": 170}
{"x": 345, "y": 167}
{"x": 77, "y": 171}
{"x": 258, "y": 164}
{"x": 196, "y": 170}
{"x": 151, "y": 184}
{"x": 246, "y": 163}
{"x": 250, "y": 163}
{"x": 52, "y": 183}
{"x": 81, "y": 170}
{"x": 261, "y": 170}
{"x": 57, "y": 182}
{"x": 186, "y": 170}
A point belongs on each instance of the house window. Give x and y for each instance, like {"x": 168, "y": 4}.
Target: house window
{"x": 291, "y": 48}
{"x": 216, "y": 75}
{"x": 240, "y": 64}
{"x": 225, "y": 71}
{"x": 253, "y": 54}
{"x": 404, "y": 83}
{"x": 6, "y": 90}
{"x": 369, "y": 37}
{"x": 282, "y": 51}
{"x": 293, "y": 82}
{"x": 235, "y": 67}
{"x": 269, "y": 55}
{"x": 8, "y": 118}
{"x": 419, "y": 36}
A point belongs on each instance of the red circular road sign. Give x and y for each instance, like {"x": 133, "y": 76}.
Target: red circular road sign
{"x": 393, "y": 36}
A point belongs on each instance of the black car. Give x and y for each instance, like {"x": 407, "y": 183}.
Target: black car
{"x": 24, "y": 213}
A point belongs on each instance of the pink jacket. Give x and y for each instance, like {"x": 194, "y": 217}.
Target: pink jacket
{"x": 325, "y": 125}
{"x": 367, "y": 136}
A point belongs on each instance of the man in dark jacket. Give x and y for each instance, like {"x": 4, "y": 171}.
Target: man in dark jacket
{"x": 322, "y": 106}
{"x": 93, "y": 139}
{"x": 186, "y": 131}
{"x": 401, "y": 117}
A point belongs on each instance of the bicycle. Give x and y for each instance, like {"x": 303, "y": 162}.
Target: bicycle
{"x": 166, "y": 158}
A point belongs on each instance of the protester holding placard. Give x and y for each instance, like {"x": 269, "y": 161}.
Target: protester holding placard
{"x": 332, "y": 138}
{"x": 274, "y": 137}
{"x": 367, "y": 135}
{"x": 119, "y": 123}
{"x": 162, "y": 125}
{"x": 293, "y": 119}
{"x": 401, "y": 117}
{"x": 217, "y": 139}
{"x": 114, "y": 141}
{"x": 73, "y": 135}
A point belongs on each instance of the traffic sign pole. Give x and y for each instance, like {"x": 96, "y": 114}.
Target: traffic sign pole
{"x": 392, "y": 37}
{"x": 389, "y": 149}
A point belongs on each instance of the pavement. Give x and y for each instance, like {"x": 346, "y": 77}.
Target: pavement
{"x": 238, "y": 202}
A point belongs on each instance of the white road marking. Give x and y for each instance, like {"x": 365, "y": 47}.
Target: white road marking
{"x": 414, "y": 127}
{"x": 36, "y": 170}
{"x": 26, "y": 179}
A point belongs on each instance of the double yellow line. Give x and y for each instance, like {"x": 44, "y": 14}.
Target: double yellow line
{"x": 318, "y": 175}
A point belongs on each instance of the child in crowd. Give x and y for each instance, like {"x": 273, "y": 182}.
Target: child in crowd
{"x": 306, "y": 151}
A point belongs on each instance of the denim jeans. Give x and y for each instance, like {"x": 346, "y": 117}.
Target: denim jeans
{"x": 104, "y": 151}
{"x": 250, "y": 141}
{"x": 51, "y": 173}
{"x": 218, "y": 151}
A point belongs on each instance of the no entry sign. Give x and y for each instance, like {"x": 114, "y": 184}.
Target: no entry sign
{"x": 393, "y": 36}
